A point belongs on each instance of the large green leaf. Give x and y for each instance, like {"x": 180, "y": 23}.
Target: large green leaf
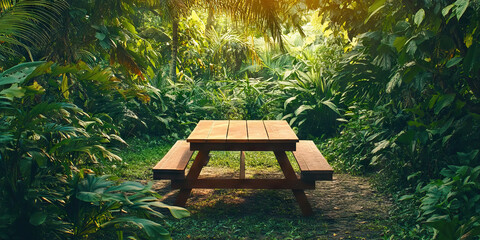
{"x": 100, "y": 36}
{"x": 446, "y": 228}
{"x": 177, "y": 212}
{"x": 395, "y": 81}
{"x": 18, "y": 73}
{"x": 419, "y": 16}
{"x": 411, "y": 47}
{"x": 380, "y": 145}
{"x": 128, "y": 186}
{"x": 468, "y": 157}
{"x": 89, "y": 197}
{"x": 302, "y": 109}
{"x": 332, "y": 106}
{"x": 460, "y": 7}
{"x": 443, "y": 101}
{"x": 5, "y": 137}
{"x": 399, "y": 43}
{"x": 288, "y": 101}
{"x": 12, "y": 92}
{"x": 471, "y": 62}
{"x": 442, "y": 127}
{"x": 447, "y": 9}
{"x": 38, "y": 218}
{"x": 454, "y": 61}
{"x": 152, "y": 229}
{"x": 375, "y": 8}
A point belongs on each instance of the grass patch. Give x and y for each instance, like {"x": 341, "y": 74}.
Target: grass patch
{"x": 140, "y": 156}
{"x": 253, "y": 160}
{"x": 247, "y": 214}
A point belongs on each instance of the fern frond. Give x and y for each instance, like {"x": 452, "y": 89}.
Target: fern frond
{"x": 28, "y": 22}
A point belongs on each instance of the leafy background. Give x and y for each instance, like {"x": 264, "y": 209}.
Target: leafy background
{"x": 388, "y": 89}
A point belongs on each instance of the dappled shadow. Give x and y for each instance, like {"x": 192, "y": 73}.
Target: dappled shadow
{"x": 345, "y": 208}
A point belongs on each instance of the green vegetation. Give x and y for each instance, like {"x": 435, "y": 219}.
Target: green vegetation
{"x": 388, "y": 89}
{"x": 247, "y": 214}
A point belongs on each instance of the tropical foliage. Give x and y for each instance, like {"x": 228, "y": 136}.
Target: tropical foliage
{"x": 387, "y": 87}
{"x": 415, "y": 65}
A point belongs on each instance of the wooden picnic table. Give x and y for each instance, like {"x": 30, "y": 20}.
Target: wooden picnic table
{"x": 244, "y": 135}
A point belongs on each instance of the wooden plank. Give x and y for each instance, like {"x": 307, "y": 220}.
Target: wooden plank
{"x": 176, "y": 159}
{"x": 280, "y": 130}
{"x": 219, "y": 132}
{"x": 173, "y": 175}
{"x": 242, "y": 165}
{"x": 313, "y": 165}
{"x": 200, "y": 160}
{"x": 281, "y": 146}
{"x": 256, "y": 131}
{"x": 301, "y": 154}
{"x": 309, "y": 158}
{"x": 201, "y": 131}
{"x": 290, "y": 175}
{"x": 212, "y": 183}
{"x": 237, "y": 131}
{"x": 285, "y": 165}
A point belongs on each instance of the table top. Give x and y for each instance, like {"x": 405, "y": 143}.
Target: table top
{"x": 242, "y": 131}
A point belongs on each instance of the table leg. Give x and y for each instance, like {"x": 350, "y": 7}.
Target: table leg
{"x": 290, "y": 174}
{"x": 193, "y": 174}
{"x": 242, "y": 165}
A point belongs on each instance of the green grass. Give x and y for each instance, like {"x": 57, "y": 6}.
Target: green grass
{"x": 140, "y": 156}
{"x": 255, "y": 160}
{"x": 247, "y": 214}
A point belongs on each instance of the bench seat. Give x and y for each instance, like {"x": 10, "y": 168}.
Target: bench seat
{"x": 173, "y": 164}
{"x": 313, "y": 166}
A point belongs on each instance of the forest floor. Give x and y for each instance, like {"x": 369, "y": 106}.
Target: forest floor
{"x": 345, "y": 208}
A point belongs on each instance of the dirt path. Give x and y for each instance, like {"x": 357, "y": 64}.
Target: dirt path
{"x": 345, "y": 208}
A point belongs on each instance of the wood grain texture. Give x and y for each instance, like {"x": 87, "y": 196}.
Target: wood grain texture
{"x": 309, "y": 158}
{"x": 210, "y": 183}
{"x": 237, "y": 131}
{"x": 176, "y": 159}
{"x": 280, "y": 131}
{"x": 242, "y": 165}
{"x": 241, "y": 131}
{"x": 256, "y": 131}
{"x": 201, "y": 131}
{"x": 290, "y": 175}
{"x": 313, "y": 165}
{"x": 219, "y": 132}
{"x": 200, "y": 160}
{"x": 285, "y": 146}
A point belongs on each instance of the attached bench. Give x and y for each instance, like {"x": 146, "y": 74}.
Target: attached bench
{"x": 313, "y": 165}
{"x": 173, "y": 164}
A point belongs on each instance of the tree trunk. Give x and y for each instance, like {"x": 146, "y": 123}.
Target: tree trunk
{"x": 210, "y": 20}
{"x": 173, "y": 63}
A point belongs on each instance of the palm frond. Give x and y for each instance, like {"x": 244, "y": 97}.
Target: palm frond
{"x": 28, "y": 22}
{"x": 267, "y": 15}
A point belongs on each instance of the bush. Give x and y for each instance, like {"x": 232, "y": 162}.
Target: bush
{"x": 46, "y": 147}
